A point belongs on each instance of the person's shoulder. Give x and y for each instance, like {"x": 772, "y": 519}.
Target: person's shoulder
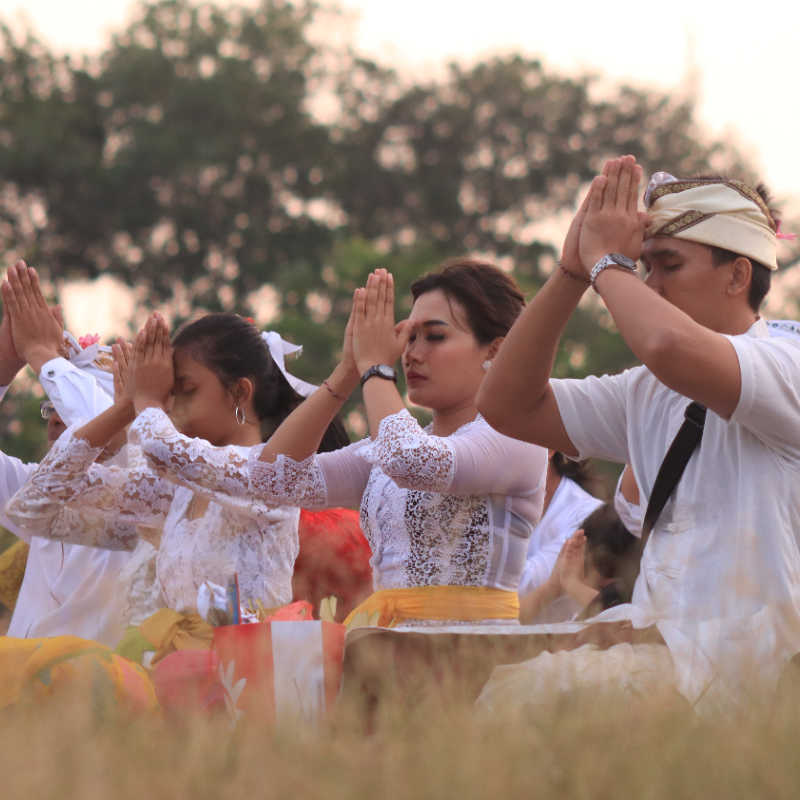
{"x": 480, "y": 427}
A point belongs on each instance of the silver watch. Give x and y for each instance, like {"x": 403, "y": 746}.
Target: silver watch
{"x": 612, "y": 260}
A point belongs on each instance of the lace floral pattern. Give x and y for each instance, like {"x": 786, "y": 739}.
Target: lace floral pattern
{"x": 235, "y": 472}
{"x": 299, "y": 482}
{"x": 223, "y": 542}
{"x": 428, "y": 520}
{"x": 410, "y": 456}
{"x": 71, "y": 498}
{"x": 138, "y": 579}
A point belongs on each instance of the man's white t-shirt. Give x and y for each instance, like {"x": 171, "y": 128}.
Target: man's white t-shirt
{"x": 720, "y": 575}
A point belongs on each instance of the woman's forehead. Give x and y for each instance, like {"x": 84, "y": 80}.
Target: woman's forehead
{"x": 187, "y": 366}
{"x": 436, "y": 305}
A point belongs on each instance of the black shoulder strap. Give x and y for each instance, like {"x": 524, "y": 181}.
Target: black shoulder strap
{"x": 669, "y": 473}
{"x": 680, "y": 451}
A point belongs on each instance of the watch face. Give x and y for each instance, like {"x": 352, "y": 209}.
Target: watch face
{"x": 385, "y": 371}
{"x": 622, "y": 260}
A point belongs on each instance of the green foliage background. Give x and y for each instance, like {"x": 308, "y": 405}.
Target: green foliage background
{"x": 213, "y": 149}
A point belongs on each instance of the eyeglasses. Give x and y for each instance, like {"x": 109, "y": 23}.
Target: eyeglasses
{"x": 47, "y": 409}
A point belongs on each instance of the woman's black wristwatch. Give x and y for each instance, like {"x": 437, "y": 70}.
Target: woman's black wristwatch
{"x": 380, "y": 371}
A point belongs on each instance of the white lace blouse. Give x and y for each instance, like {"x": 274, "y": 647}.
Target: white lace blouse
{"x": 200, "y": 534}
{"x": 436, "y": 510}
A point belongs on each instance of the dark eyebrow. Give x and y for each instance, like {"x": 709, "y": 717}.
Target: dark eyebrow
{"x": 430, "y": 322}
{"x": 664, "y": 252}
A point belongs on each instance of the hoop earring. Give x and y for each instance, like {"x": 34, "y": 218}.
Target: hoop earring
{"x": 238, "y": 412}
{"x": 486, "y": 364}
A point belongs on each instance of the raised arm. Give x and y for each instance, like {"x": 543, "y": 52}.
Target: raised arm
{"x": 684, "y": 355}
{"x": 37, "y": 330}
{"x": 515, "y": 396}
{"x": 72, "y": 498}
{"x": 232, "y": 475}
{"x": 10, "y": 360}
{"x": 377, "y": 340}
{"x": 477, "y": 460}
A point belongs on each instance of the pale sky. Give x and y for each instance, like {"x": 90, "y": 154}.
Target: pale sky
{"x": 745, "y": 62}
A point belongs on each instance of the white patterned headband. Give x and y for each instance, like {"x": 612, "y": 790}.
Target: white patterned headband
{"x": 715, "y": 212}
{"x": 279, "y": 348}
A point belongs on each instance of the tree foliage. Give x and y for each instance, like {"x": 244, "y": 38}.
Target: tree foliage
{"x": 189, "y": 159}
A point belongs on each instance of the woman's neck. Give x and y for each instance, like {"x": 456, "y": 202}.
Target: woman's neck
{"x": 447, "y": 421}
{"x": 245, "y": 436}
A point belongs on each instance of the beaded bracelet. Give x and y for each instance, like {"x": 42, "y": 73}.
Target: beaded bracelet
{"x": 334, "y": 394}
{"x": 574, "y": 275}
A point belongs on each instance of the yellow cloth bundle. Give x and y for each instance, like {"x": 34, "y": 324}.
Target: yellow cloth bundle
{"x": 463, "y": 603}
{"x": 38, "y": 669}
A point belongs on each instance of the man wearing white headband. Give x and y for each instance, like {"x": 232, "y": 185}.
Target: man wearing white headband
{"x": 67, "y": 589}
{"x": 715, "y": 612}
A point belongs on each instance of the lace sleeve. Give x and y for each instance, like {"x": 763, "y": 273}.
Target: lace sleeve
{"x": 71, "y": 498}
{"x": 411, "y": 457}
{"x": 475, "y": 460}
{"x": 220, "y": 473}
{"x": 233, "y": 476}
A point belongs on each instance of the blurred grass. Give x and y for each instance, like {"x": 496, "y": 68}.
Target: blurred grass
{"x": 608, "y": 748}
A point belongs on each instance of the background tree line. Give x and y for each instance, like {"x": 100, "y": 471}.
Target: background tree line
{"x": 221, "y": 157}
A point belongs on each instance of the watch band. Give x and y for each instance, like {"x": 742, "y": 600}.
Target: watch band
{"x": 612, "y": 260}
{"x": 379, "y": 371}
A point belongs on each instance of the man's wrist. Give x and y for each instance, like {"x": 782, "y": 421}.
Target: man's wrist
{"x": 9, "y": 371}
{"x": 38, "y": 356}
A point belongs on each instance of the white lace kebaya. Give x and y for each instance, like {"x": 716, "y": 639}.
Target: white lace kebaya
{"x": 201, "y": 535}
{"x": 454, "y": 510}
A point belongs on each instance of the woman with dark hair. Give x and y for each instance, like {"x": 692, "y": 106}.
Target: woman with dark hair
{"x": 223, "y": 387}
{"x": 447, "y": 509}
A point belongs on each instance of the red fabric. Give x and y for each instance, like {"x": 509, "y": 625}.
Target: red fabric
{"x": 254, "y": 658}
{"x": 333, "y": 560}
{"x": 188, "y": 680}
{"x": 299, "y": 611}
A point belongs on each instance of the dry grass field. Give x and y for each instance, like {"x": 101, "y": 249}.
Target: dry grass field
{"x": 583, "y": 747}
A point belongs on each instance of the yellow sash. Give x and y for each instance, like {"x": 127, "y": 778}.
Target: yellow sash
{"x": 463, "y": 603}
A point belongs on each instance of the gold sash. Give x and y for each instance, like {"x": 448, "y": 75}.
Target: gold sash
{"x": 463, "y": 603}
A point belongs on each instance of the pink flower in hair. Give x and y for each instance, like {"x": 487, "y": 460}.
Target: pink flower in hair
{"x": 88, "y": 339}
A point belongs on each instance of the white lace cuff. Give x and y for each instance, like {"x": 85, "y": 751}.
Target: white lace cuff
{"x": 297, "y": 483}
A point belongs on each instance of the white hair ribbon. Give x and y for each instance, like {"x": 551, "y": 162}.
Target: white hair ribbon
{"x": 279, "y": 348}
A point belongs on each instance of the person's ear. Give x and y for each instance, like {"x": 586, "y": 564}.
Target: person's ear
{"x": 741, "y": 273}
{"x": 494, "y": 347}
{"x": 243, "y": 391}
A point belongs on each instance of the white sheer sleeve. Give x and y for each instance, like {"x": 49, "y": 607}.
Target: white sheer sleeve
{"x": 475, "y": 460}
{"x": 233, "y": 476}
{"x": 71, "y": 498}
